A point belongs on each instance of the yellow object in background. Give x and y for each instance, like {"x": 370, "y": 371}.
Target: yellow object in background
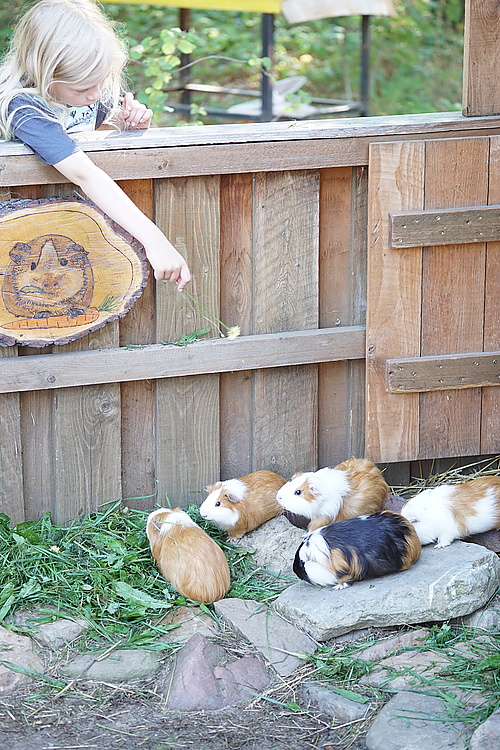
{"x": 257, "y": 6}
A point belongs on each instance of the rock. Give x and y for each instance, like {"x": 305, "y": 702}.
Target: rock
{"x": 486, "y": 736}
{"x": 444, "y": 583}
{"x": 281, "y": 643}
{"x": 118, "y": 666}
{"x": 389, "y": 645}
{"x": 409, "y": 722}
{"x": 339, "y": 708}
{"x": 201, "y": 677}
{"x": 274, "y": 545}
{"x": 407, "y": 671}
{"x": 487, "y": 618}
{"x": 185, "y": 622}
{"x": 16, "y": 650}
{"x": 60, "y": 632}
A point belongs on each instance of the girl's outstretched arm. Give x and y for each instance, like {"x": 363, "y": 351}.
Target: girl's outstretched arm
{"x": 168, "y": 264}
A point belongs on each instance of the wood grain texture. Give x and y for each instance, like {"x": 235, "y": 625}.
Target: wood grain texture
{"x": 393, "y": 300}
{"x": 187, "y": 409}
{"x": 439, "y": 373}
{"x": 481, "y": 86}
{"x": 447, "y": 227}
{"x": 286, "y": 248}
{"x": 236, "y": 279}
{"x": 453, "y": 285}
{"x": 490, "y": 411}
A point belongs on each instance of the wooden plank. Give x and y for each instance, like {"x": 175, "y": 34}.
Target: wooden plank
{"x": 440, "y": 373}
{"x": 393, "y": 300}
{"x": 187, "y": 409}
{"x": 490, "y": 411}
{"x": 481, "y": 87}
{"x": 286, "y": 219}
{"x": 11, "y": 469}
{"x": 138, "y": 397}
{"x": 236, "y": 273}
{"x": 453, "y": 281}
{"x": 444, "y": 227}
{"x": 115, "y": 365}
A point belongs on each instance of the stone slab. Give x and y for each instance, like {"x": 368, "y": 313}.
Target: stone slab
{"x": 281, "y": 643}
{"x": 444, "y": 583}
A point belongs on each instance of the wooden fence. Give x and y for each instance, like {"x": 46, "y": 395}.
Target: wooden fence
{"x": 273, "y": 219}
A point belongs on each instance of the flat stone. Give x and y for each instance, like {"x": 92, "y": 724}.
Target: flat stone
{"x": 387, "y": 646}
{"x": 273, "y": 545}
{"x": 16, "y": 650}
{"x": 444, "y": 583}
{"x": 281, "y": 643}
{"x": 202, "y": 677}
{"x": 407, "y": 671}
{"x": 487, "y": 618}
{"x": 409, "y": 721}
{"x": 119, "y": 666}
{"x": 185, "y": 622}
{"x": 60, "y": 632}
{"x": 487, "y": 735}
{"x": 336, "y": 706}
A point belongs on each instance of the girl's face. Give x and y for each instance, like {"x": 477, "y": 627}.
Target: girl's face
{"x": 77, "y": 94}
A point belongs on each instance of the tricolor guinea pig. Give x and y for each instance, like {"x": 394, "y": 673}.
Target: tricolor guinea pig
{"x": 452, "y": 511}
{"x": 356, "y": 549}
{"x": 317, "y": 498}
{"x": 186, "y": 556}
{"x": 240, "y": 505}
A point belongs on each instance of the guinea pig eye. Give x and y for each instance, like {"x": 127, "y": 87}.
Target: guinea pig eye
{"x": 298, "y": 492}
{"x": 217, "y": 503}
{"x": 63, "y": 262}
{"x": 33, "y": 266}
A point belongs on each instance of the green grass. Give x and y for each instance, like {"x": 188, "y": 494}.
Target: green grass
{"x": 100, "y": 568}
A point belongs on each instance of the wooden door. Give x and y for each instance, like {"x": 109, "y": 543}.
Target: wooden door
{"x": 433, "y": 318}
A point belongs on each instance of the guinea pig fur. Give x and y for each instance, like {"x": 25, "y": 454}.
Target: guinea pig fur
{"x": 186, "y": 556}
{"x": 350, "y": 489}
{"x": 452, "y": 511}
{"x": 356, "y": 549}
{"x": 240, "y": 505}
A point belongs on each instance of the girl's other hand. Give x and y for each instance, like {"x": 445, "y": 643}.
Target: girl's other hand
{"x": 134, "y": 114}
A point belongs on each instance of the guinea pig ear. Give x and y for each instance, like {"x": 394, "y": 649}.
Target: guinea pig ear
{"x": 211, "y": 487}
{"x": 232, "y": 498}
{"x": 19, "y": 252}
{"x": 297, "y": 474}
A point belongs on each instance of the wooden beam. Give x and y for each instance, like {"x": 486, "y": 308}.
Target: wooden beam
{"x": 481, "y": 82}
{"x": 120, "y": 365}
{"x": 451, "y": 371}
{"x": 444, "y": 227}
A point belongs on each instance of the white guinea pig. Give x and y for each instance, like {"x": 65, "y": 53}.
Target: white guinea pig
{"x": 356, "y": 549}
{"x": 352, "y": 488}
{"x": 240, "y": 505}
{"x": 452, "y": 511}
{"x": 186, "y": 556}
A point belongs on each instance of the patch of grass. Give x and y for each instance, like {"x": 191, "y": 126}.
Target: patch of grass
{"x": 100, "y": 568}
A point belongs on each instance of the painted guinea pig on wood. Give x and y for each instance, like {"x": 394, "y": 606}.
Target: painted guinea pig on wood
{"x": 241, "y": 505}
{"x": 452, "y": 511}
{"x": 50, "y": 275}
{"x": 317, "y": 498}
{"x": 186, "y": 556}
{"x": 357, "y": 549}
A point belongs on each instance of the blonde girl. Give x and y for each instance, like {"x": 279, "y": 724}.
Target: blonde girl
{"x": 63, "y": 75}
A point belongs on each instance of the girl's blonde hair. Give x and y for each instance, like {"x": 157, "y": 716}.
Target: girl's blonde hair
{"x": 61, "y": 41}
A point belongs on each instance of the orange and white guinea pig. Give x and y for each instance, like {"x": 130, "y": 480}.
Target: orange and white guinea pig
{"x": 241, "y": 505}
{"x": 357, "y": 549}
{"x": 315, "y": 499}
{"x": 452, "y": 511}
{"x": 186, "y": 556}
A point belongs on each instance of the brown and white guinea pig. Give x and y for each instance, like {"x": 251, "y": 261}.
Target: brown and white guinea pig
{"x": 186, "y": 556}
{"x": 452, "y": 511}
{"x": 356, "y": 549}
{"x": 315, "y": 499}
{"x": 240, "y": 505}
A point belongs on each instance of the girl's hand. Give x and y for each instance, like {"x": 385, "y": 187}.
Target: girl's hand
{"x": 134, "y": 114}
{"x": 169, "y": 265}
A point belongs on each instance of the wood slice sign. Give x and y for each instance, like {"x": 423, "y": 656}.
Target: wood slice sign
{"x": 67, "y": 269}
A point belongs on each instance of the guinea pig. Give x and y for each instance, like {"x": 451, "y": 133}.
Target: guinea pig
{"x": 315, "y": 499}
{"x": 240, "y": 505}
{"x": 452, "y": 511}
{"x": 186, "y": 556}
{"x": 356, "y": 549}
{"x": 49, "y": 275}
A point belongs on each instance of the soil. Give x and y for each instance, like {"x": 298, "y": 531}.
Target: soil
{"x": 133, "y": 716}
